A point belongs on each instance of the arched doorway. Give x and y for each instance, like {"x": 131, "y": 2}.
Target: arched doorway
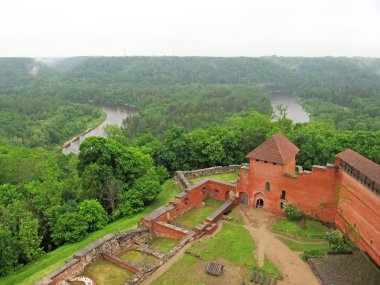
{"x": 243, "y": 198}
{"x": 259, "y": 203}
{"x": 230, "y": 195}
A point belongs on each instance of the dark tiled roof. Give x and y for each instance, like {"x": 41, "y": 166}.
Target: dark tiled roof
{"x": 362, "y": 164}
{"x": 277, "y": 149}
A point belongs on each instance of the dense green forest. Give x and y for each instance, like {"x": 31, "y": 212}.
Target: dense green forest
{"x": 194, "y": 112}
{"x": 199, "y": 92}
{"x": 48, "y": 199}
{"x": 44, "y": 121}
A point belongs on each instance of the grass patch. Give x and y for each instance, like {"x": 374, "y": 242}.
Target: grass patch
{"x": 197, "y": 215}
{"x": 132, "y": 255}
{"x": 54, "y": 259}
{"x": 236, "y": 217}
{"x": 138, "y": 257}
{"x": 296, "y": 246}
{"x": 163, "y": 245}
{"x": 224, "y": 177}
{"x": 314, "y": 230}
{"x": 233, "y": 243}
{"x": 272, "y": 270}
{"x": 104, "y": 272}
{"x": 182, "y": 271}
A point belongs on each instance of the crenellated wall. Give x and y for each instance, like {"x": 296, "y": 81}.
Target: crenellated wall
{"x": 358, "y": 214}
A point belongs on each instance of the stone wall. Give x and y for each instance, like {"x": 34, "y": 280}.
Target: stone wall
{"x": 111, "y": 244}
{"x": 182, "y": 177}
{"x": 149, "y": 269}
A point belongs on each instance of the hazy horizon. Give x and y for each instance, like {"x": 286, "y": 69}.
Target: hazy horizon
{"x": 60, "y": 29}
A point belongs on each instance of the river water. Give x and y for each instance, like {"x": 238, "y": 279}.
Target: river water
{"x": 115, "y": 116}
{"x": 295, "y": 111}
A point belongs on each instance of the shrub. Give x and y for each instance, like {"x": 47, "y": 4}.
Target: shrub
{"x": 94, "y": 214}
{"x": 69, "y": 227}
{"x": 292, "y": 212}
{"x": 338, "y": 242}
{"x": 312, "y": 253}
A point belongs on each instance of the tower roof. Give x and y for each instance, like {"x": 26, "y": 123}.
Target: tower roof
{"x": 277, "y": 149}
{"x": 362, "y": 164}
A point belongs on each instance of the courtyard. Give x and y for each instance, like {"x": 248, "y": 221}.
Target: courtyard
{"x": 222, "y": 177}
{"x": 197, "y": 215}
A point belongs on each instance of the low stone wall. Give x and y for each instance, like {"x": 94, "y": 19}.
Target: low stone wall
{"x": 149, "y": 269}
{"x": 111, "y": 244}
{"x": 182, "y": 177}
{"x": 122, "y": 263}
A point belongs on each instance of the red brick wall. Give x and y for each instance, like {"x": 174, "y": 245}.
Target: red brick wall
{"x": 163, "y": 231}
{"x": 328, "y": 194}
{"x": 358, "y": 211}
{"x": 73, "y": 270}
{"x": 312, "y": 192}
{"x": 219, "y": 190}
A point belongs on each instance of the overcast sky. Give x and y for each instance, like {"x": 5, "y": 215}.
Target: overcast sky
{"x": 52, "y": 28}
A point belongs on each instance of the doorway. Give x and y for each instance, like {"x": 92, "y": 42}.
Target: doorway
{"x": 243, "y": 198}
{"x": 259, "y": 203}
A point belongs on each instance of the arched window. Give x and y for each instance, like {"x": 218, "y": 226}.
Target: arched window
{"x": 283, "y": 195}
{"x": 267, "y": 186}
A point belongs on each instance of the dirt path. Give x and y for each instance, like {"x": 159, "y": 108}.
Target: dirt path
{"x": 294, "y": 270}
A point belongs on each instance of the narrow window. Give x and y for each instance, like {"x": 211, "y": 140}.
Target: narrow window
{"x": 186, "y": 201}
{"x": 267, "y": 186}
{"x": 283, "y": 195}
{"x": 281, "y": 205}
{"x": 216, "y": 190}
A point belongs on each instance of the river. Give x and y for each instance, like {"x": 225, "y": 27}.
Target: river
{"x": 295, "y": 111}
{"x": 115, "y": 116}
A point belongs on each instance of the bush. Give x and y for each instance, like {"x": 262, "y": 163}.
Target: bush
{"x": 312, "y": 253}
{"x": 292, "y": 212}
{"x": 94, "y": 214}
{"x": 338, "y": 242}
{"x": 69, "y": 227}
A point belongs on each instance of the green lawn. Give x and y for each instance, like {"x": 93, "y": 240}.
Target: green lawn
{"x": 163, "y": 245}
{"x": 52, "y": 260}
{"x": 197, "y": 215}
{"x": 224, "y": 177}
{"x": 232, "y": 243}
{"x": 272, "y": 270}
{"x": 298, "y": 246}
{"x": 314, "y": 230}
{"x": 104, "y": 272}
{"x": 236, "y": 216}
{"x": 138, "y": 257}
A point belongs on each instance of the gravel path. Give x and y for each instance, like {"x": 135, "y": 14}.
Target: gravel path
{"x": 294, "y": 270}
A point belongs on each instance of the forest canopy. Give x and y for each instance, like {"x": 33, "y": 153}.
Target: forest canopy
{"x": 194, "y": 112}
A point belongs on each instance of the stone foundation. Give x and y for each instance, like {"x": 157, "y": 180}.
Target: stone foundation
{"x": 182, "y": 177}
{"x": 111, "y": 244}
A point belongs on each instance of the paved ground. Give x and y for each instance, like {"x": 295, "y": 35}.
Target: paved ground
{"x": 294, "y": 270}
{"x": 350, "y": 269}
